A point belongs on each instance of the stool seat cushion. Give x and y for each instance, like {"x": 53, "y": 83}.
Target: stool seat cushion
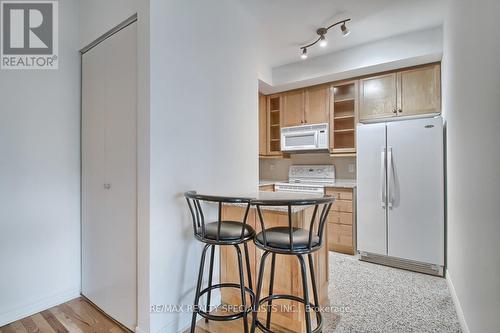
{"x": 229, "y": 231}
{"x": 278, "y": 237}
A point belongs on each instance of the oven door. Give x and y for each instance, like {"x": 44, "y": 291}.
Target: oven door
{"x": 303, "y": 140}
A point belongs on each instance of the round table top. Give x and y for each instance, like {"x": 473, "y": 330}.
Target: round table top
{"x": 266, "y": 198}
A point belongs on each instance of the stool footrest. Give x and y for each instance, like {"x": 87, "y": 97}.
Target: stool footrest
{"x": 229, "y": 317}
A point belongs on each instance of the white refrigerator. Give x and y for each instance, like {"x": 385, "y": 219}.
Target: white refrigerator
{"x": 400, "y": 194}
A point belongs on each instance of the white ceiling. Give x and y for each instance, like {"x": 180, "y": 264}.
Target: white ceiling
{"x": 289, "y": 24}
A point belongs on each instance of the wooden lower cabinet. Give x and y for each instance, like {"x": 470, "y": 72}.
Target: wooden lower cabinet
{"x": 288, "y": 315}
{"x": 341, "y": 221}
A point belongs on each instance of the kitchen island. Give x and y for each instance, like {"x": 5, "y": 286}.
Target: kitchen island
{"x": 288, "y": 315}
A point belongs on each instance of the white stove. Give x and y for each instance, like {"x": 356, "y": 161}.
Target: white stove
{"x": 307, "y": 179}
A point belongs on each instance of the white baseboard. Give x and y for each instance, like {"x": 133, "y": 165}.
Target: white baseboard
{"x": 458, "y": 307}
{"x": 32, "y": 308}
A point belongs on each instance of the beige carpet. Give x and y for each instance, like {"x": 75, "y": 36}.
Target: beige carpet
{"x": 372, "y": 298}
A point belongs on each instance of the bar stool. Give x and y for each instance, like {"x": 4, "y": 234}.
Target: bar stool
{"x": 221, "y": 233}
{"x": 290, "y": 240}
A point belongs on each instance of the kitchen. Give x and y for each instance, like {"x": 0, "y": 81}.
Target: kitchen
{"x": 250, "y": 165}
{"x": 340, "y": 109}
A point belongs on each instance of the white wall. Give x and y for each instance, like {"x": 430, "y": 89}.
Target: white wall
{"x": 203, "y": 132}
{"x": 471, "y": 77}
{"x": 405, "y": 50}
{"x": 40, "y": 180}
{"x": 99, "y": 16}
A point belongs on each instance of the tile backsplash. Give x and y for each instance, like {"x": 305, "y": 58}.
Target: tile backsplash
{"x": 277, "y": 168}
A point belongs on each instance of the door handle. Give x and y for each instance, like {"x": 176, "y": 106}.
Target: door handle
{"x": 390, "y": 169}
{"x": 383, "y": 178}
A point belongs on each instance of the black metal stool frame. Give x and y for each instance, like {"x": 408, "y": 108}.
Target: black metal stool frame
{"x": 193, "y": 199}
{"x": 326, "y": 202}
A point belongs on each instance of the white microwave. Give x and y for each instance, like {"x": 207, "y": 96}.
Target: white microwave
{"x": 305, "y": 138}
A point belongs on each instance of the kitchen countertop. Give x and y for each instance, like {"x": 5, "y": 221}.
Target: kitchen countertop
{"x": 343, "y": 183}
{"x": 264, "y": 182}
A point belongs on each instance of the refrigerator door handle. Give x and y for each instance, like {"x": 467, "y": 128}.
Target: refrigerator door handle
{"x": 390, "y": 171}
{"x": 383, "y": 178}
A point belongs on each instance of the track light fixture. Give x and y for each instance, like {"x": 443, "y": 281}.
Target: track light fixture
{"x": 322, "y": 36}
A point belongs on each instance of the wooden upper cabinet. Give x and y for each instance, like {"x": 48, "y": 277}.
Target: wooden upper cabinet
{"x": 262, "y": 125}
{"x": 293, "y": 108}
{"x": 377, "y": 97}
{"x": 419, "y": 91}
{"x": 317, "y": 105}
{"x": 411, "y": 92}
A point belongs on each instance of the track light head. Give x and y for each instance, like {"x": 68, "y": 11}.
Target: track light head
{"x": 344, "y": 30}
{"x": 303, "y": 56}
{"x": 322, "y": 41}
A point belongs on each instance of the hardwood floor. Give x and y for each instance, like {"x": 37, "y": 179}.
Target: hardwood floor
{"x": 235, "y": 326}
{"x": 75, "y": 316}
{"x": 227, "y": 327}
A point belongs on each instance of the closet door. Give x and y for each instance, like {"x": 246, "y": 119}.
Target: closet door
{"x": 109, "y": 191}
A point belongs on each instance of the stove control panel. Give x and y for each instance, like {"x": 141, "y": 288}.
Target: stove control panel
{"x": 311, "y": 173}
{"x": 299, "y": 188}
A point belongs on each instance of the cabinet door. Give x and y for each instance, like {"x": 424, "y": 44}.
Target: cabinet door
{"x": 317, "y": 105}
{"x": 262, "y": 125}
{"x": 377, "y": 97}
{"x": 419, "y": 91}
{"x": 293, "y": 108}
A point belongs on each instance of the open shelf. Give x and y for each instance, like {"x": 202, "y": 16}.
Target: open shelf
{"x": 344, "y": 92}
{"x": 274, "y": 104}
{"x": 349, "y": 116}
{"x": 343, "y": 153}
{"x": 275, "y": 145}
{"x": 344, "y": 100}
{"x": 343, "y": 140}
{"x": 274, "y": 132}
{"x": 344, "y": 118}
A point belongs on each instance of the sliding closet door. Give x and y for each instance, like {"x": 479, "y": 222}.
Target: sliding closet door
{"x": 109, "y": 190}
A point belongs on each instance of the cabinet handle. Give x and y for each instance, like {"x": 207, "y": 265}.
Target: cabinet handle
{"x": 395, "y": 111}
{"x": 400, "y": 110}
{"x": 107, "y": 186}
